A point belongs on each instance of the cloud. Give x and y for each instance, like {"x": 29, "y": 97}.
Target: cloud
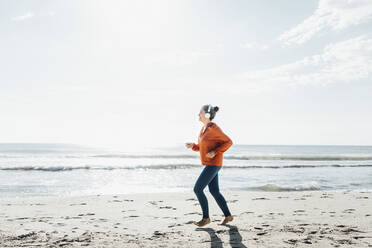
{"x": 28, "y": 15}
{"x": 330, "y": 14}
{"x": 344, "y": 61}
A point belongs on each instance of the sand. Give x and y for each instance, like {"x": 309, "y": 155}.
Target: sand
{"x": 261, "y": 219}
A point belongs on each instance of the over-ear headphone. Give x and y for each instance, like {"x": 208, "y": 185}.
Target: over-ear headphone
{"x": 207, "y": 114}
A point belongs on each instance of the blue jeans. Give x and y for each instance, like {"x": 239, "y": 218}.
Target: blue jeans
{"x": 209, "y": 176}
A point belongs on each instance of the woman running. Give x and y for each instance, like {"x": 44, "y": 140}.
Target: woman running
{"x": 212, "y": 143}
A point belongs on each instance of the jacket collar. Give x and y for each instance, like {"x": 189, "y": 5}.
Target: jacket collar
{"x": 209, "y": 124}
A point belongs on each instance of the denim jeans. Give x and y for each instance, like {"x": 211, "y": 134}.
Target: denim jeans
{"x": 209, "y": 176}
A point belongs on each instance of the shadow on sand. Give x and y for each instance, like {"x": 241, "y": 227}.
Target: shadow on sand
{"x": 235, "y": 237}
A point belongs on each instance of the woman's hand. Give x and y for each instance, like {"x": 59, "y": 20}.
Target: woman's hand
{"x": 189, "y": 145}
{"x": 211, "y": 154}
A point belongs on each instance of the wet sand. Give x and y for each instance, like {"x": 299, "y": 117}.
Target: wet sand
{"x": 261, "y": 219}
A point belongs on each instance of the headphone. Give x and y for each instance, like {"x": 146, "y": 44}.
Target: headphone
{"x": 208, "y": 115}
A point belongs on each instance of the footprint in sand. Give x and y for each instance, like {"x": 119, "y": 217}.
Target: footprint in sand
{"x": 303, "y": 224}
{"x": 21, "y": 218}
{"x": 349, "y": 230}
{"x": 168, "y": 207}
{"x": 261, "y": 198}
{"x": 169, "y": 217}
{"x": 349, "y": 210}
{"x": 291, "y": 241}
{"x": 173, "y": 225}
{"x": 24, "y": 236}
{"x": 193, "y": 213}
{"x": 158, "y": 233}
{"x": 325, "y": 195}
{"x": 247, "y": 212}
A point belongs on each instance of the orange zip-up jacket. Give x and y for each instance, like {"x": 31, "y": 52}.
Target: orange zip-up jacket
{"x": 212, "y": 139}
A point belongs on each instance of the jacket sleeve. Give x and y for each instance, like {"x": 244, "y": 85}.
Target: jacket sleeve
{"x": 223, "y": 141}
{"x": 195, "y": 147}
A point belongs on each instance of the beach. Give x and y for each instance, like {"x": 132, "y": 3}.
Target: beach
{"x": 116, "y": 115}
{"x": 261, "y": 219}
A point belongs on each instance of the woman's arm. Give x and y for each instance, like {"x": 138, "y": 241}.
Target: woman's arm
{"x": 223, "y": 141}
{"x": 195, "y": 147}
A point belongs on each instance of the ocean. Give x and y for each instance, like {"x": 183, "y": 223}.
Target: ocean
{"x": 71, "y": 170}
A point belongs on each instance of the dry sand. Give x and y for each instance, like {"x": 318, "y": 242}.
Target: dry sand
{"x": 261, "y": 219}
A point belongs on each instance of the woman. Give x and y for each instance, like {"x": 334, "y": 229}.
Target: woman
{"x": 212, "y": 143}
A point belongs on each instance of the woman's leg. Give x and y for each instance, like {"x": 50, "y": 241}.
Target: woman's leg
{"x": 215, "y": 191}
{"x": 204, "y": 179}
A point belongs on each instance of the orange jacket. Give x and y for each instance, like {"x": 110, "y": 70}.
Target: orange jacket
{"x": 212, "y": 139}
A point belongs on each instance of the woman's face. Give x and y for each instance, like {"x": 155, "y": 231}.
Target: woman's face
{"x": 202, "y": 117}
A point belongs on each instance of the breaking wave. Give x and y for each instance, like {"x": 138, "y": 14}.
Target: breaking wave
{"x": 165, "y": 166}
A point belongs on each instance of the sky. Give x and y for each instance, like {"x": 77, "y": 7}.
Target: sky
{"x": 136, "y": 73}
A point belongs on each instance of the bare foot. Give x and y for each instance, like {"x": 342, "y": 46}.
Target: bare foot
{"x": 227, "y": 219}
{"x": 203, "y": 222}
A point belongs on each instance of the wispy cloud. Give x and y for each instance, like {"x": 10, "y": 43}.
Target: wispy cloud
{"x": 344, "y": 61}
{"x": 330, "y": 14}
{"x": 28, "y": 15}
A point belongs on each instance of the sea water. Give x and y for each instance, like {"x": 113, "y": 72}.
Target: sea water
{"x": 63, "y": 169}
